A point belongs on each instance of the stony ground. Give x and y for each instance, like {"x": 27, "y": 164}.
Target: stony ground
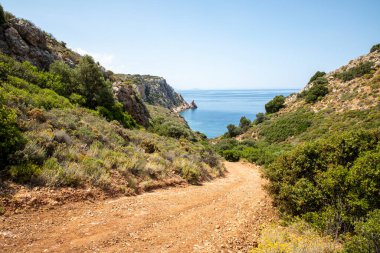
{"x": 224, "y": 215}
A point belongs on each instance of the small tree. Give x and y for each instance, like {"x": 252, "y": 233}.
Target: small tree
{"x": 67, "y": 76}
{"x": 97, "y": 90}
{"x": 2, "y": 15}
{"x": 244, "y": 123}
{"x": 260, "y": 117}
{"x": 317, "y": 92}
{"x": 317, "y": 75}
{"x": 275, "y": 104}
{"x": 233, "y": 131}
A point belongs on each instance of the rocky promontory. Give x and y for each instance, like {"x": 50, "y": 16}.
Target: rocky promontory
{"x": 154, "y": 90}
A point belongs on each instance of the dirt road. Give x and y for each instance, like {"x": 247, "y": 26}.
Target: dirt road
{"x": 220, "y": 216}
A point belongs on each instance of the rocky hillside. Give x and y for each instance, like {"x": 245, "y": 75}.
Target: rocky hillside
{"x": 68, "y": 128}
{"x": 320, "y": 149}
{"x": 155, "y": 90}
{"x": 24, "y": 41}
{"x": 346, "y": 92}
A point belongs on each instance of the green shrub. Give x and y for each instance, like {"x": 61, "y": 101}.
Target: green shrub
{"x": 331, "y": 182}
{"x": 263, "y": 153}
{"x": 317, "y": 75}
{"x": 279, "y": 129}
{"x": 11, "y": 138}
{"x": 68, "y": 77}
{"x": 233, "y": 131}
{"x": 375, "y": 48}
{"x": 316, "y": 92}
{"x": 355, "y": 72}
{"x": 96, "y": 90}
{"x": 367, "y": 235}
{"x": 231, "y": 155}
{"x": 77, "y": 99}
{"x": 191, "y": 174}
{"x": 244, "y": 124}
{"x": 260, "y": 117}
{"x": 116, "y": 113}
{"x": 277, "y": 103}
{"x": 25, "y": 172}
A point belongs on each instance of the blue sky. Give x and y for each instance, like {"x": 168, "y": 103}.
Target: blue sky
{"x": 212, "y": 44}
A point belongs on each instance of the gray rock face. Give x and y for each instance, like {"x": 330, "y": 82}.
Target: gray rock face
{"x": 155, "y": 90}
{"x": 128, "y": 96}
{"x": 24, "y": 41}
{"x": 15, "y": 43}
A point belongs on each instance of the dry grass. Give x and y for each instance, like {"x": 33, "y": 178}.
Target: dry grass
{"x": 295, "y": 238}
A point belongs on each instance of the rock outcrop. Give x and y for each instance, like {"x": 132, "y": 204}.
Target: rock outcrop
{"x": 155, "y": 90}
{"x": 185, "y": 106}
{"x": 127, "y": 95}
{"x": 22, "y": 40}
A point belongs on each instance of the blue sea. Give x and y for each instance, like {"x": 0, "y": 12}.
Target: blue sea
{"x": 218, "y": 108}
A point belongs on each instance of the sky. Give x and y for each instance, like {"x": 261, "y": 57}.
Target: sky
{"x": 212, "y": 44}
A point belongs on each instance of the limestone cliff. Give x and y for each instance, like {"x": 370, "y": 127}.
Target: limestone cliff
{"x": 155, "y": 90}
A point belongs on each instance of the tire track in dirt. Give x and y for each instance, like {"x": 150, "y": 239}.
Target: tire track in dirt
{"x": 224, "y": 215}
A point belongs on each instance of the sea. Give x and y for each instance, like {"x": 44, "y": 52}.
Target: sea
{"x": 218, "y": 108}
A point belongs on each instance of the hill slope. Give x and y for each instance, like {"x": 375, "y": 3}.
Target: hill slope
{"x": 321, "y": 151}
{"x": 70, "y": 130}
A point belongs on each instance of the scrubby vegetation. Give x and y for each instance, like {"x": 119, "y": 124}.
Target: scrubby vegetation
{"x": 296, "y": 237}
{"x": 63, "y": 128}
{"x": 317, "y": 75}
{"x": 233, "y": 131}
{"x": 166, "y": 123}
{"x": 318, "y": 89}
{"x": 322, "y": 163}
{"x": 332, "y": 182}
{"x": 277, "y": 103}
{"x": 10, "y": 135}
{"x": 355, "y": 72}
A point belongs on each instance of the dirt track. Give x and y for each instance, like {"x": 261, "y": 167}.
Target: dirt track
{"x": 220, "y": 216}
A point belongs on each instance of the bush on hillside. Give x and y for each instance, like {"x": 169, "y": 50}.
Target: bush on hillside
{"x": 170, "y": 128}
{"x": 67, "y": 77}
{"x": 375, "y": 48}
{"x": 316, "y": 92}
{"x": 331, "y": 182}
{"x": 117, "y": 113}
{"x": 96, "y": 90}
{"x": 244, "y": 124}
{"x": 85, "y": 86}
{"x": 260, "y": 117}
{"x": 233, "y": 131}
{"x": 317, "y": 74}
{"x": 231, "y": 155}
{"x": 355, "y": 72}
{"x": 277, "y": 103}
{"x": 294, "y": 123}
{"x": 367, "y": 235}
{"x": 11, "y": 138}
